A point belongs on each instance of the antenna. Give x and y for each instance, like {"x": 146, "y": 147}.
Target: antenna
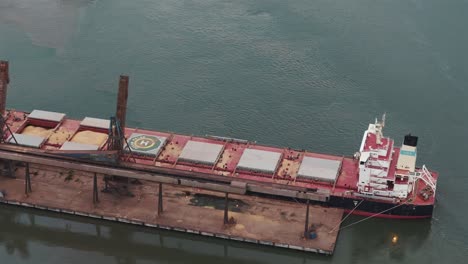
{"x": 383, "y": 119}
{"x": 378, "y": 129}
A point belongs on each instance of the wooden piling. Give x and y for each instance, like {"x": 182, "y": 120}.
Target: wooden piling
{"x": 226, "y": 207}
{"x": 160, "y": 200}
{"x": 306, "y": 228}
{"x": 95, "y": 190}
{"x": 122, "y": 97}
{"x": 27, "y": 180}
{"x": 4, "y": 81}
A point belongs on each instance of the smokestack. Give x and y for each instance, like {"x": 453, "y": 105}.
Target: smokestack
{"x": 122, "y": 100}
{"x": 4, "y": 80}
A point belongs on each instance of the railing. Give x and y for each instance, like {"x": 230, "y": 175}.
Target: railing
{"x": 426, "y": 176}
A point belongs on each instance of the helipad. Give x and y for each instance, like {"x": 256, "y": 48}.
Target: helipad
{"x": 145, "y": 144}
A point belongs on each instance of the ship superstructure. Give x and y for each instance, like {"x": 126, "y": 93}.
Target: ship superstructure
{"x": 387, "y": 171}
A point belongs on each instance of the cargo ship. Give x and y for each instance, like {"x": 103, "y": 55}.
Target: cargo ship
{"x": 380, "y": 180}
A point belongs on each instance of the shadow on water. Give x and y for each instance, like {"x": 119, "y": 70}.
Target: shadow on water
{"x": 20, "y": 228}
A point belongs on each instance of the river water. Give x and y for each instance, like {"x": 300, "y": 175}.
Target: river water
{"x": 301, "y": 73}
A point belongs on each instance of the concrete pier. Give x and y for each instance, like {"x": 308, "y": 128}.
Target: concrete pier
{"x": 191, "y": 210}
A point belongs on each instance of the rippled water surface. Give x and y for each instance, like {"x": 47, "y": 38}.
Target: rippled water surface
{"x": 301, "y": 73}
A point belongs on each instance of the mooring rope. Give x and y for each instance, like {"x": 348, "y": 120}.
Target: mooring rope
{"x": 346, "y": 216}
{"x": 374, "y": 215}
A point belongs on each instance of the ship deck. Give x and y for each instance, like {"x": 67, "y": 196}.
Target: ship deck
{"x": 208, "y": 155}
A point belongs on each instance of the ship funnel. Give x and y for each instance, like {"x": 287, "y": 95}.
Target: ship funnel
{"x": 410, "y": 140}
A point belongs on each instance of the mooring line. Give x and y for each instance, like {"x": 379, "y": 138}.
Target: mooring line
{"x": 374, "y": 215}
{"x": 346, "y": 216}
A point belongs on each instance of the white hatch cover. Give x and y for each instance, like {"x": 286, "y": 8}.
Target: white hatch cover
{"x": 46, "y": 115}
{"x": 259, "y": 160}
{"x": 95, "y": 122}
{"x": 201, "y": 152}
{"x": 26, "y": 140}
{"x": 144, "y": 144}
{"x": 319, "y": 169}
{"x": 69, "y": 145}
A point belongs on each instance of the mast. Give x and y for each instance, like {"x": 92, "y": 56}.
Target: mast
{"x": 378, "y": 129}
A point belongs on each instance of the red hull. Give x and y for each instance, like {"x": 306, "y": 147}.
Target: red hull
{"x": 387, "y": 216}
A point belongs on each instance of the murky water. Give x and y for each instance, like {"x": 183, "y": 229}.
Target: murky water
{"x": 299, "y": 73}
